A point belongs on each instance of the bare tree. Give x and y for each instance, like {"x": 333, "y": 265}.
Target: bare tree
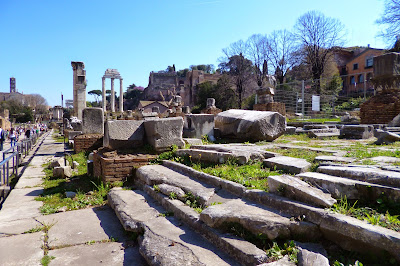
{"x": 257, "y": 52}
{"x": 240, "y": 70}
{"x": 390, "y": 18}
{"x": 282, "y": 54}
{"x": 318, "y": 35}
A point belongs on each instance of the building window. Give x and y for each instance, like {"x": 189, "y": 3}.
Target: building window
{"x": 369, "y": 62}
{"x": 355, "y": 66}
{"x": 352, "y": 80}
{"x": 361, "y": 78}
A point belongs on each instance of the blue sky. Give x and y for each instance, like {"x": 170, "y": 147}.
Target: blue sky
{"x": 39, "y": 38}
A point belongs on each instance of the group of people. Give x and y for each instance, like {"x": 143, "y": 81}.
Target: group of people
{"x": 15, "y": 134}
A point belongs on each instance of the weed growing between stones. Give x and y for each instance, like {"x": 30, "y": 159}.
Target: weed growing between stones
{"x": 384, "y": 213}
{"x": 193, "y": 202}
{"x": 89, "y": 191}
{"x": 277, "y": 252}
{"x": 274, "y": 249}
{"x": 166, "y": 214}
{"x": 45, "y": 227}
{"x": 34, "y": 230}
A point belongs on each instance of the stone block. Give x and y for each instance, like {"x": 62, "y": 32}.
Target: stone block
{"x": 288, "y": 164}
{"x": 248, "y": 125}
{"x": 290, "y": 130}
{"x": 62, "y": 171}
{"x": 72, "y": 134}
{"x": 93, "y": 121}
{"x": 198, "y": 125}
{"x": 163, "y": 133}
{"x": 386, "y": 137}
{"x": 89, "y": 165}
{"x": 192, "y": 141}
{"x": 294, "y": 188}
{"x": 357, "y": 132}
{"x": 124, "y": 134}
{"x": 324, "y": 133}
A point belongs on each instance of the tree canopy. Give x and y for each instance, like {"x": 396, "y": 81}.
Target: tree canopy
{"x": 391, "y": 20}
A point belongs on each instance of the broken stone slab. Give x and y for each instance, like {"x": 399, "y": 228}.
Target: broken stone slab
{"x": 211, "y": 156}
{"x": 395, "y": 121}
{"x": 357, "y": 132}
{"x": 324, "y": 133}
{"x": 244, "y": 252}
{"x": 386, "y": 137}
{"x": 311, "y": 254}
{"x": 59, "y": 162}
{"x": 198, "y": 125}
{"x": 139, "y": 213}
{"x": 353, "y": 234}
{"x": 124, "y": 134}
{"x": 372, "y": 175}
{"x": 335, "y": 159}
{"x": 193, "y": 141}
{"x": 158, "y": 174}
{"x": 158, "y": 250}
{"x": 62, "y": 171}
{"x": 294, "y": 188}
{"x": 92, "y": 120}
{"x": 168, "y": 189}
{"x": 352, "y": 189}
{"x": 285, "y": 261}
{"x": 288, "y": 164}
{"x": 164, "y": 133}
{"x": 257, "y": 219}
{"x": 248, "y": 125}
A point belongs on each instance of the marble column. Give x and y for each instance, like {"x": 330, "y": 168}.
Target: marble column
{"x": 112, "y": 96}
{"x": 103, "y": 95}
{"x": 121, "y": 96}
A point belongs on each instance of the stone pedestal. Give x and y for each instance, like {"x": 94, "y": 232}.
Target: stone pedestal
{"x": 79, "y": 87}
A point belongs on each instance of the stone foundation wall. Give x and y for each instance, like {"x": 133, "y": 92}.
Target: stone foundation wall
{"x": 273, "y": 107}
{"x": 118, "y": 167}
{"x": 88, "y": 142}
{"x": 381, "y": 109}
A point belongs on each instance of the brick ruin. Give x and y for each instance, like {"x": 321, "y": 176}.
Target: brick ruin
{"x": 87, "y": 142}
{"x": 383, "y": 107}
{"x": 111, "y": 166}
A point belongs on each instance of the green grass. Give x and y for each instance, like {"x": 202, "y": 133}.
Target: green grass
{"x": 46, "y": 260}
{"x": 361, "y": 151}
{"x": 383, "y": 212}
{"x": 89, "y": 191}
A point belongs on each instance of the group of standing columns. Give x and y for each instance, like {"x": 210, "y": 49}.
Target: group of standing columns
{"x": 112, "y": 74}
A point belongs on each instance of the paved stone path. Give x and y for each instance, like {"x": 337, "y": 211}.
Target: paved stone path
{"x": 92, "y": 236}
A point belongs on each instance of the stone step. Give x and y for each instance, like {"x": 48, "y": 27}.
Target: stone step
{"x": 210, "y": 156}
{"x": 367, "y": 174}
{"x": 158, "y": 174}
{"x": 294, "y": 188}
{"x": 250, "y": 151}
{"x": 258, "y": 219}
{"x": 352, "y": 189}
{"x": 163, "y": 240}
{"x": 288, "y": 164}
{"x": 334, "y": 159}
{"x": 348, "y": 232}
{"x": 242, "y": 251}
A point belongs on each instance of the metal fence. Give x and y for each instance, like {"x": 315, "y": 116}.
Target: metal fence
{"x": 13, "y": 156}
{"x": 324, "y": 97}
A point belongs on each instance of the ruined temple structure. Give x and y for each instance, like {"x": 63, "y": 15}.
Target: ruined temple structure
{"x": 164, "y": 85}
{"x": 79, "y": 85}
{"x": 112, "y": 74}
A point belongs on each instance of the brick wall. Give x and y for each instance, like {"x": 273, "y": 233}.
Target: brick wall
{"x": 88, "y": 142}
{"x": 117, "y": 167}
{"x": 382, "y": 108}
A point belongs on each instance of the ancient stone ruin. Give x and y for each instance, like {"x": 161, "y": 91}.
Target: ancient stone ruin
{"x": 79, "y": 86}
{"x": 112, "y": 74}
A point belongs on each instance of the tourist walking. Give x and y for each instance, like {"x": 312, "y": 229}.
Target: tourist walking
{"x": 13, "y": 137}
{"x": 2, "y": 138}
{"x": 28, "y": 133}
